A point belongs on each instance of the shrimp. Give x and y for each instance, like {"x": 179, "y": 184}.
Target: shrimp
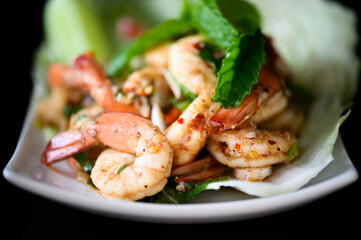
{"x": 148, "y": 81}
{"x": 188, "y": 134}
{"x": 50, "y": 109}
{"x": 249, "y": 147}
{"x": 267, "y": 98}
{"x": 201, "y": 169}
{"x": 189, "y": 68}
{"x": 88, "y": 75}
{"x": 158, "y": 56}
{"x": 126, "y": 133}
{"x": 252, "y": 174}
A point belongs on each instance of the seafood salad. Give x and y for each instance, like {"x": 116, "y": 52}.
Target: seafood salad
{"x": 199, "y": 101}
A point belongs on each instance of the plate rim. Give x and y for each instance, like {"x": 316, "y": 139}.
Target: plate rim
{"x": 185, "y": 213}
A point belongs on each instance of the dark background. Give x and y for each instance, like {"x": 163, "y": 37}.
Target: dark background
{"x": 29, "y": 215}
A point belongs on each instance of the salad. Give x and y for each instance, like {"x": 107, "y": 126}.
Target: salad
{"x": 219, "y": 94}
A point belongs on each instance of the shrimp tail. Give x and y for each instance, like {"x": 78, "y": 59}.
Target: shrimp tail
{"x": 99, "y": 85}
{"x": 231, "y": 117}
{"x": 111, "y": 131}
{"x": 65, "y": 145}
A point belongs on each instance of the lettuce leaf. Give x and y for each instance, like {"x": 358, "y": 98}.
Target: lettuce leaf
{"x": 317, "y": 39}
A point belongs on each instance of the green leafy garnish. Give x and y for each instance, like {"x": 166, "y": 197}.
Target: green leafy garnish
{"x": 122, "y": 168}
{"x": 208, "y": 53}
{"x": 241, "y": 36}
{"x": 242, "y": 14}
{"x": 70, "y": 109}
{"x": 163, "y": 32}
{"x": 186, "y": 97}
{"x": 211, "y": 23}
{"x": 293, "y": 150}
{"x": 85, "y": 162}
{"x": 170, "y": 194}
{"x": 181, "y": 105}
{"x": 239, "y": 69}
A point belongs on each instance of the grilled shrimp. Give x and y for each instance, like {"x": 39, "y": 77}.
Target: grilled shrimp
{"x": 50, "y": 109}
{"x": 189, "y": 68}
{"x": 89, "y": 76}
{"x": 151, "y": 160}
{"x": 188, "y": 134}
{"x": 146, "y": 83}
{"x": 158, "y": 56}
{"x": 266, "y": 99}
{"x": 252, "y": 174}
{"x": 200, "y": 169}
{"x": 250, "y": 148}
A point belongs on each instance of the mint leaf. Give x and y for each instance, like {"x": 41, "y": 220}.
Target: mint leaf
{"x": 212, "y": 55}
{"x": 170, "y": 194}
{"x": 239, "y": 70}
{"x": 164, "y": 31}
{"x": 242, "y": 14}
{"x": 211, "y": 23}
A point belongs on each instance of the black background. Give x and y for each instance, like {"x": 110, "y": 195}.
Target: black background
{"x": 29, "y": 215}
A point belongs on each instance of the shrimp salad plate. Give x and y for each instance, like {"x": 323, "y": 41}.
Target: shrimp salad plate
{"x": 189, "y": 111}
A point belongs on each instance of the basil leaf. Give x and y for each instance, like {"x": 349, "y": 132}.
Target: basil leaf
{"x": 165, "y": 31}
{"x": 210, "y": 22}
{"x": 239, "y": 70}
{"x": 170, "y": 194}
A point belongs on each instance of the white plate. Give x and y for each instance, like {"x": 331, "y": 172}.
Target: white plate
{"x": 57, "y": 183}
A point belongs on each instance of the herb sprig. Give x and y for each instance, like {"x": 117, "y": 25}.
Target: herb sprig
{"x": 231, "y": 25}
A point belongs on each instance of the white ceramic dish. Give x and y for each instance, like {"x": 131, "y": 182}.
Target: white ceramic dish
{"x": 25, "y": 171}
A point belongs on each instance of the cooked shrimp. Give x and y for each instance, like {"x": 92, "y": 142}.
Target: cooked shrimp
{"x": 50, "y": 109}
{"x": 124, "y": 132}
{"x": 252, "y": 174}
{"x": 290, "y": 119}
{"x": 266, "y": 99}
{"x": 148, "y": 81}
{"x": 158, "y": 56}
{"x": 201, "y": 169}
{"x": 88, "y": 75}
{"x": 189, "y": 68}
{"x": 250, "y": 148}
{"x": 188, "y": 134}
{"x": 153, "y": 156}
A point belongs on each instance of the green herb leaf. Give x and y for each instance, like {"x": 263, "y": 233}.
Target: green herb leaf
{"x": 85, "y": 162}
{"x": 239, "y": 70}
{"x": 293, "y": 150}
{"x": 209, "y": 21}
{"x": 122, "y": 168}
{"x": 163, "y": 32}
{"x": 242, "y": 14}
{"x": 170, "y": 194}
{"x": 70, "y": 109}
{"x": 181, "y": 105}
{"x": 186, "y": 93}
{"x": 209, "y": 54}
